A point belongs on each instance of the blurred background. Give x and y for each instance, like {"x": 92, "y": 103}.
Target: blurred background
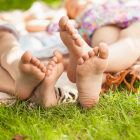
{"x": 6, "y": 5}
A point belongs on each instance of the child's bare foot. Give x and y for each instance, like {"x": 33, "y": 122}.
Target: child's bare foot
{"x": 45, "y": 90}
{"x": 30, "y": 73}
{"x": 75, "y": 44}
{"x": 89, "y": 71}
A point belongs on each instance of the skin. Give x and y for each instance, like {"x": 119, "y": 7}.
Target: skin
{"x": 20, "y": 66}
{"x": 45, "y": 91}
{"x": 84, "y": 68}
{"x": 127, "y": 39}
{"x": 25, "y": 74}
{"x": 76, "y": 7}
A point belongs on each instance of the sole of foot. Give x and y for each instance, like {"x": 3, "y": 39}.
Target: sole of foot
{"x": 75, "y": 44}
{"x": 46, "y": 89}
{"x": 30, "y": 73}
{"x": 89, "y": 73}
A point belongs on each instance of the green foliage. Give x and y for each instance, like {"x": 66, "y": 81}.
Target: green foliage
{"x": 24, "y": 4}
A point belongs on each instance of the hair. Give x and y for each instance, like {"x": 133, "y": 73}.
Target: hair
{"x": 64, "y": 3}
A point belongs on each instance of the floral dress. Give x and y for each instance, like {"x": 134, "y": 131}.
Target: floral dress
{"x": 120, "y": 13}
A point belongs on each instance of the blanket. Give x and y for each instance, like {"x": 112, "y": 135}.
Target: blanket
{"x": 66, "y": 92}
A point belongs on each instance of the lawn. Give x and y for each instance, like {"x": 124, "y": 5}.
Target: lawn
{"x": 115, "y": 117}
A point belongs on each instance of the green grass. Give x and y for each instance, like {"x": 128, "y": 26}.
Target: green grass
{"x": 115, "y": 117}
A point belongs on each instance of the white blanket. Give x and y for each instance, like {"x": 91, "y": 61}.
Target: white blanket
{"x": 67, "y": 89}
{"x": 42, "y": 44}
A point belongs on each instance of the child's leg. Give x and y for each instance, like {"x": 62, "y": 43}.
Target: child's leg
{"x": 107, "y": 34}
{"x": 126, "y": 51}
{"x": 45, "y": 91}
{"x": 26, "y": 70}
{"x": 7, "y": 83}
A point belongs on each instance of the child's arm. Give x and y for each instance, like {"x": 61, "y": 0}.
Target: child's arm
{"x": 41, "y": 25}
{"x": 36, "y": 25}
{"x": 100, "y": 2}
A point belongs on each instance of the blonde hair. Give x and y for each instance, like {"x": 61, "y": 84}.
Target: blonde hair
{"x": 64, "y": 3}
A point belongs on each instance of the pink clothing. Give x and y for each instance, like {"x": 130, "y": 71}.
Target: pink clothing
{"x": 114, "y": 12}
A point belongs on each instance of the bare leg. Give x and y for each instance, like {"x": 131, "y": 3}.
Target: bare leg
{"x": 26, "y": 71}
{"x": 125, "y": 52}
{"x": 106, "y": 34}
{"x": 90, "y": 70}
{"x": 6, "y": 81}
{"x": 45, "y": 91}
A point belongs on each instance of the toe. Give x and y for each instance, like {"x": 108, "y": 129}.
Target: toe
{"x": 55, "y": 59}
{"x": 73, "y": 31}
{"x": 68, "y": 26}
{"x": 85, "y": 57}
{"x": 63, "y": 21}
{"x": 91, "y": 53}
{"x": 58, "y": 55}
{"x": 104, "y": 52}
{"x": 37, "y": 63}
{"x": 48, "y": 72}
{"x": 96, "y": 50}
{"x": 41, "y": 66}
{"x": 33, "y": 60}
{"x": 76, "y": 36}
{"x": 50, "y": 67}
{"x": 26, "y": 57}
{"x": 80, "y": 61}
{"x": 52, "y": 63}
{"x": 43, "y": 70}
{"x": 79, "y": 42}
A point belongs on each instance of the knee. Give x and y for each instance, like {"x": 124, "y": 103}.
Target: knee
{"x": 105, "y": 34}
{"x": 5, "y": 36}
{"x": 127, "y": 33}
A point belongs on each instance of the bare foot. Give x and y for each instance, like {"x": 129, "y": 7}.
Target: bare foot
{"x": 45, "y": 91}
{"x": 30, "y": 73}
{"x": 75, "y": 44}
{"x": 89, "y": 71}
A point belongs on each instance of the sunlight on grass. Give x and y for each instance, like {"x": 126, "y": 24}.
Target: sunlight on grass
{"x": 115, "y": 117}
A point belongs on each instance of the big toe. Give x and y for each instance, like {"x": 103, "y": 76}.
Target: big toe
{"x": 58, "y": 55}
{"x": 62, "y": 22}
{"x": 104, "y": 52}
{"x": 26, "y": 57}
